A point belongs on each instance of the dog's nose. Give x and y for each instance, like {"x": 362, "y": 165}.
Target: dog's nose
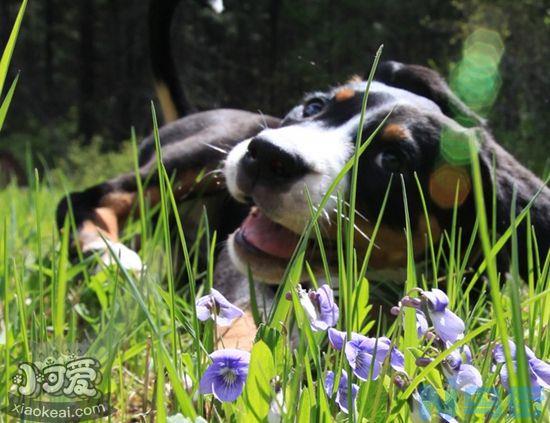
{"x": 267, "y": 162}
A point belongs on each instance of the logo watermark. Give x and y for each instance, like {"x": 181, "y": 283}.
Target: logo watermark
{"x": 486, "y": 402}
{"x": 58, "y": 389}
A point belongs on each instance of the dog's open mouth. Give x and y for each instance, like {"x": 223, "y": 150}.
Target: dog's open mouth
{"x": 260, "y": 234}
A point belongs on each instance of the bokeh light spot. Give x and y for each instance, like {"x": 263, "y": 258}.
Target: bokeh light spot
{"x": 443, "y": 185}
{"x": 455, "y": 146}
{"x": 476, "y": 79}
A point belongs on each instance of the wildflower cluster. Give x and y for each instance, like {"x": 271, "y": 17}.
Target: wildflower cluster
{"x": 226, "y": 376}
{"x": 365, "y": 355}
{"x": 438, "y": 329}
{"x": 539, "y": 371}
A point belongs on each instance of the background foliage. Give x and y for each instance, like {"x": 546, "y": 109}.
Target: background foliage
{"x": 85, "y": 72}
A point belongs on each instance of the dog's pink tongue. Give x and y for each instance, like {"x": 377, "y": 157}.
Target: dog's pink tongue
{"x": 268, "y": 236}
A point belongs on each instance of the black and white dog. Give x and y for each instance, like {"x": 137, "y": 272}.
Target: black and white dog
{"x": 271, "y": 163}
{"x": 267, "y": 165}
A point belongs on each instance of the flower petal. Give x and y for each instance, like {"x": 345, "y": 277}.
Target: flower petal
{"x": 329, "y": 383}
{"x": 336, "y": 338}
{"x": 468, "y": 379}
{"x": 208, "y": 378}
{"x": 379, "y": 345}
{"x": 342, "y": 394}
{"x": 219, "y": 298}
{"x": 328, "y": 310}
{"x": 542, "y": 372}
{"x": 231, "y": 353}
{"x": 204, "y": 308}
{"x": 228, "y": 314}
{"x": 397, "y": 360}
{"x": 363, "y": 364}
{"x": 352, "y": 349}
{"x": 454, "y": 359}
{"x": 307, "y": 305}
{"x": 467, "y": 354}
{"x": 437, "y": 299}
{"x": 504, "y": 378}
{"x": 498, "y": 353}
{"x": 505, "y": 382}
{"x": 419, "y": 412}
{"x": 447, "y": 419}
{"x": 228, "y": 392}
{"x": 448, "y": 326}
{"x": 421, "y": 323}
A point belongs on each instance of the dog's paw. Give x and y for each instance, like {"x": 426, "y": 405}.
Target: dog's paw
{"x": 128, "y": 258}
{"x": 240, "y": 335}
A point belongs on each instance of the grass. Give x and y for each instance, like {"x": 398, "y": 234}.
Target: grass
{"x": 144, "y": 331}
{"x": 138, "y": 326}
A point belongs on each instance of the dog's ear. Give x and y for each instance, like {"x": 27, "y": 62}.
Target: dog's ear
{"x": 427, "y": 83}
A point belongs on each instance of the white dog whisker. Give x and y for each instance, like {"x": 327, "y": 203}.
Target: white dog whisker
{"x": 216, "y": 148}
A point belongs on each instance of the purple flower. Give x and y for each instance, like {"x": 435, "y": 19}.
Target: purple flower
{"x": 419, "y": 412}
{"x": 336, "y": 338}
{"x": 319, "y": 307}
{"x": 539, "y": 371}
{"x": 217, "y": 307}
{"x": 226, "y": 375}
{"x": 445, "y": 418}
{"x": 342, "y": 392}
{"x": 432, "y": 308}
{"x": 460, "y": 373}
{"x": 447, "y": 325}
{"x": 364, "y": 354}
{"x": 437, "y": 299}
{"x": 421, "y": 323}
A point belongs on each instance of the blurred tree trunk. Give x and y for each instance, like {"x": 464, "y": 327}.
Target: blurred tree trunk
{"x": 121, "y": 53}
{"x": 274, "y": 13}
{"x": 86, "y": 122}
{"x": 49, "y": 14}
{"x": 5, "y": 24}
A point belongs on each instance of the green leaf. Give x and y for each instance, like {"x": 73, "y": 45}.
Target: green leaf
{"x": 275, "y": 341}
{"x": 304, "y": 410}
{"x": 433, "y": 377}
{"x": 374, "y": 406}
{"x": 258, "y": 391}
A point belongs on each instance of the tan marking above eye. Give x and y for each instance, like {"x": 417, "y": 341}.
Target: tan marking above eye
{"x": 443, "y": 186}
{"x": 344, "y": 94}
{"x": 393, "y": 131}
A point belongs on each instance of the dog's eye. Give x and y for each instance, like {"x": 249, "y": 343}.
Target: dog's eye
{"x": 313, "y": 106}
{"x": 391, "y": 161}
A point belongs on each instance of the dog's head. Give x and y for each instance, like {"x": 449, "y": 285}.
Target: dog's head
{"x": 420, "y": 150}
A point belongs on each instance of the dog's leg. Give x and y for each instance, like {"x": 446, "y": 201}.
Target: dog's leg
{"x": 101, "y": 211}
{"x": 235, "y": 287}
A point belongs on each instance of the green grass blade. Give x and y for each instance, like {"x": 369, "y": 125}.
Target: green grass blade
{"x": 8, "y": 50}
{"x": 7, "y": 101}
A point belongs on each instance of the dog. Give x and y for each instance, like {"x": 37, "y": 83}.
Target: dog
{"x": 420, "y": 152}
{"x": 420, "y": 139}
{"x": 271, "y": 163}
